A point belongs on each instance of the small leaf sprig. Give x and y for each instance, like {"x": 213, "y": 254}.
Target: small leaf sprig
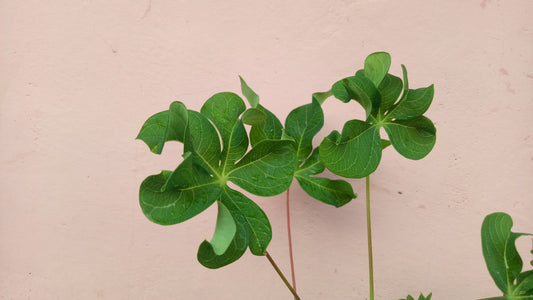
{"x": 420, "y": 297}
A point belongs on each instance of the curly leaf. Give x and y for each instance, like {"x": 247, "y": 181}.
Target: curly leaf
{"x": 245, "y": 211}
{"x": 360, "y": 89}
{"x": 168, "y": 125}
{"x": 355, "y": 153}
{"x": 502, "y": 258}
{"x": 240, "y": 224}
{"x": 224, "y": 231}
{"x": 228, "y": 244}
{"x": 167, "y": 206}
{"x": 267, "y": 169}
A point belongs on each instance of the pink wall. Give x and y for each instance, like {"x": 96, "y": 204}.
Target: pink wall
{"x": 78, "y": 79}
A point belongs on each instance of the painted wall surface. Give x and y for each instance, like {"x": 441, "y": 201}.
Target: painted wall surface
{"x": 79, "y": 78}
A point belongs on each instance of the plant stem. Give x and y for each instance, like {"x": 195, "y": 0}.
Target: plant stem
{"x": 369, "y": 234}
{"x": 282, "y": 276}
{"x": 293, "y": 275}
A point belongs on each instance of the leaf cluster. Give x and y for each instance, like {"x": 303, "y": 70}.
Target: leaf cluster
{"x": 216, "y": 151}
{"x": 390, "y": 104}
{"x": 502, "y": 259}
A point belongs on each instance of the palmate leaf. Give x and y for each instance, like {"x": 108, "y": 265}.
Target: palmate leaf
{"x": 502, "y": 258}
{"x": 389, "y": 104}
{"x": 215, "y": 142}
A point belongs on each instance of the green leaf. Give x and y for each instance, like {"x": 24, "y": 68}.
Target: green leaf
{"x": 168, "y": 125}
{"x": 385, "y": 143}
{"x": 502, "y": 258}
{"x": 413, "y": 139}
{"x": 225, "y": 230}
{"x": 174, "y": 205}
{"x": 389, "y": 89}
{"x": 321, "y": 96}
{"x": 240, "y": 224}
{"x": 271, "y": 129}
{"x": 203, "y": 142}
{"x": 250, "y": 95}
{"x": 266, "y": 170}
{"x": 376, "y": 66}
{"x": 302, "y": 124}
{"x": 340, "y": 92}
{"x": 311, "y": 166}
{"x": 225, "y": 253}
{"x": 420, "y": 297}
{"x": 224, "y": 109}
{"x": 246, "y": 212}
{"x": 355, "y": 153}
{"x": 524, "y": 283}
{"x": 362, "y": 90}
{"x": 415, "y": 104}
{"x": 332, "y": 192}
{"x": 254, "y": 117}
{"x": 405, "y": 84}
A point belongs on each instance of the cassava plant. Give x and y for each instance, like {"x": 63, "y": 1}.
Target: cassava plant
{"x": 503, "y": 260}
{"x": 390, "y": 104}
{"x": 215, "y": 152}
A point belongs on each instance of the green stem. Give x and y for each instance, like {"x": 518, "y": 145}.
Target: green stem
{"x": 293, "y": 275}
{"x": 369, "y": 234}
{"x": 282, "y": 276}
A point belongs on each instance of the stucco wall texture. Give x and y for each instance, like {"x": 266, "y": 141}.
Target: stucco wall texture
{"x": 79, "y": 78}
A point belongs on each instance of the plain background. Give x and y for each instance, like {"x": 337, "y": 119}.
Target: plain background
{"x": 78, "y": 78}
